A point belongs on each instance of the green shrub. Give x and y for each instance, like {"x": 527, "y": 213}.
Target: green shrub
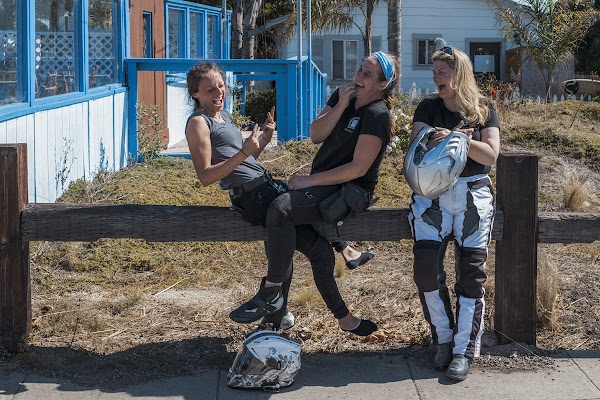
{"x": 258, "y": 104}
{"x": 402, "y": 111}
{"x": 241, "y": 121}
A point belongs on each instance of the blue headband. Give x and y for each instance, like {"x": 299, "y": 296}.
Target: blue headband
{"x": 386, "y": 66}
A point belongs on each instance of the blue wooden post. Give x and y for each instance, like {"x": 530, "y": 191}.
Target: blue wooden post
{"x": 281, "y": 106}
{"x": 132, "y": 98}
{"x": 291, "y": 111}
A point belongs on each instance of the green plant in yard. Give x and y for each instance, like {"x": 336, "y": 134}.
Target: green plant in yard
{"x": 240, "y": 120}
{"x": 65, "y": 164}
{"x": 402, "y": 111}
{"x": 151, "y": 128}
{"x": 259, "y": 103}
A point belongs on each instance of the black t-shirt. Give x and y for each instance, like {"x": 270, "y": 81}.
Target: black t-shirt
{"x": 433, "y": 112}
{"x": 338, "y": 148}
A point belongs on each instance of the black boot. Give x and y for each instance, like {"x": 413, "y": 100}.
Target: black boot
{"x": 458, "y": 368}
{"x": 443, "y": 357}
{"x": 266, "y": 301}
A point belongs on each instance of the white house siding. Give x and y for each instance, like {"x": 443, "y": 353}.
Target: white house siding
{"x": 69, "y": 143}
{"x": 321, "y": 48}
{"x": 178, "y": 109}
{"x": 458, "y": 22}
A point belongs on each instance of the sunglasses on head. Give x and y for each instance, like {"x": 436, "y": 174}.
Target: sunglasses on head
{"x": 447, "y": 50}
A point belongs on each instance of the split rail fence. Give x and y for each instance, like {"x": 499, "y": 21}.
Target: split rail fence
{"x": 518, "y": 228}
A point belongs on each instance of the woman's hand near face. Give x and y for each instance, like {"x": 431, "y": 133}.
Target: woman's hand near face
{"x": 327, "y": 119}
{"x": 346, "y": 92}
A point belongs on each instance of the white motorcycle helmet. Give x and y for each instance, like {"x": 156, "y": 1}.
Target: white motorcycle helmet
{"x": 267, "y": 360}
{"x": 432, "y": 171}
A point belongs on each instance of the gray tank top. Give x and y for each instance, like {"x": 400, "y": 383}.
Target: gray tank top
{"x": 226, "y": 141}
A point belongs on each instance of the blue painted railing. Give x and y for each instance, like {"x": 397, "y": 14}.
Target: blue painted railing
{"x": 293, "y": 119}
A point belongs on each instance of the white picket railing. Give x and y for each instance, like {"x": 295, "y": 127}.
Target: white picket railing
{"x": 415, "y": 94}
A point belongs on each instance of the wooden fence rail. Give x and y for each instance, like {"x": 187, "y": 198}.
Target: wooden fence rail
{"x": 517, "y": 229}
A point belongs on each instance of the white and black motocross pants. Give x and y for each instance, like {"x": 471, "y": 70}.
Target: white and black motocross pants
{"x": 466, "y": 213}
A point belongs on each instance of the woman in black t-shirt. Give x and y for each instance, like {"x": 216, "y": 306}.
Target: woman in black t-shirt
{"x": 465, "y": 212}
{"x": 220, "y": 154}
{"x": 354, "y": 129}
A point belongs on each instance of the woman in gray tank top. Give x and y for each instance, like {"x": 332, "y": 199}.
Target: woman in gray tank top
{"x": 220, "y": 154}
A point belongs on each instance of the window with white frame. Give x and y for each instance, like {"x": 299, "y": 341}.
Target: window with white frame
{"x": 425, "y": 48}
{"x": 344, "y": 59}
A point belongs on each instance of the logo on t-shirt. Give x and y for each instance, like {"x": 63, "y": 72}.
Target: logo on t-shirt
{"x": 352, "y": 124}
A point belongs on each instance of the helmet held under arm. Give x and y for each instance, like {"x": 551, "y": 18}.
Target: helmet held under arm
{"x": 430, "y": 172}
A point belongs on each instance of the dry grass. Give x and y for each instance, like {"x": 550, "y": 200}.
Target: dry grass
{"x": 547, "y": 294}
{"x": 566, "y": 128}
{"x": 574, "y": 192}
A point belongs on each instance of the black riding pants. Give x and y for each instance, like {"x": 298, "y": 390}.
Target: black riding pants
{"x": 289, "y": 223}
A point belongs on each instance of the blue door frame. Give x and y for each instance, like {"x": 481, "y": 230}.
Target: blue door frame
{"x": 293, "y": 119}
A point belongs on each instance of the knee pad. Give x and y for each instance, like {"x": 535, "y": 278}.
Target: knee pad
{"x": 427, "y": 266}
{"x": 471, "y": 271}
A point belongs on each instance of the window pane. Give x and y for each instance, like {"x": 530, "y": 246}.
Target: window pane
{"x": 102, "y": 45}
{"x": 8, "y": 52}
{"x": 351, "y": 58}
{"x": 175, "y": 39}
{"x": 338, "y": 59}
{"x": 148, "y": 51}
{"x": 211, "y": 37}
{"x": 55, "y": 71}
{"x": 422, "y": 53}
{"x": 430, "y": 51}
{"x": 195, "y": 36}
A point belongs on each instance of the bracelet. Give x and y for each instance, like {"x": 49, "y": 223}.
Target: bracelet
{"x": 262, "y": 137}
{"x": 242, "y": 150}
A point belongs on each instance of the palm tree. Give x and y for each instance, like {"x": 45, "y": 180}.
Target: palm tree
{"x": 549, "y": 30}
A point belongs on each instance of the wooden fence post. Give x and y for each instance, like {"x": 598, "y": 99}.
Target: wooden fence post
{"x": 15, "y": 294}
{"x": 516, "y": 254}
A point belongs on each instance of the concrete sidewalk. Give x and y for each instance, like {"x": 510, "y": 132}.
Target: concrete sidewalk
{"x": 576, "y": 375}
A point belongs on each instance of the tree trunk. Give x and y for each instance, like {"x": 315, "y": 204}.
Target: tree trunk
{"x": 250, "y": 14}
{"x": 368, "y": 21}
{"x": 237, "y": 20}
{"x": 395, "y": 32}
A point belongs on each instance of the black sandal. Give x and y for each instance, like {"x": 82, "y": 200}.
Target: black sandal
{"x": 364, "y": 258}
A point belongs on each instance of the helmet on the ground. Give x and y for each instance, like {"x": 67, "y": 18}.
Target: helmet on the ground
{"x": 432, "y": 171}
{"x": 267, "y": 360}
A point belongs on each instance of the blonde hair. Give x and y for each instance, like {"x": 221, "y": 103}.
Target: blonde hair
{"x": 472, "y": 105}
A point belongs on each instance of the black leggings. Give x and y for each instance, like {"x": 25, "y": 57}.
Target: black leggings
{"x": 253, "y": 207}
{"x": 290, "y": 221}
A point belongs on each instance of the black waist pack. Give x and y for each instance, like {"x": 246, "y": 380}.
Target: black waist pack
{"x": 351, "y": 199}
